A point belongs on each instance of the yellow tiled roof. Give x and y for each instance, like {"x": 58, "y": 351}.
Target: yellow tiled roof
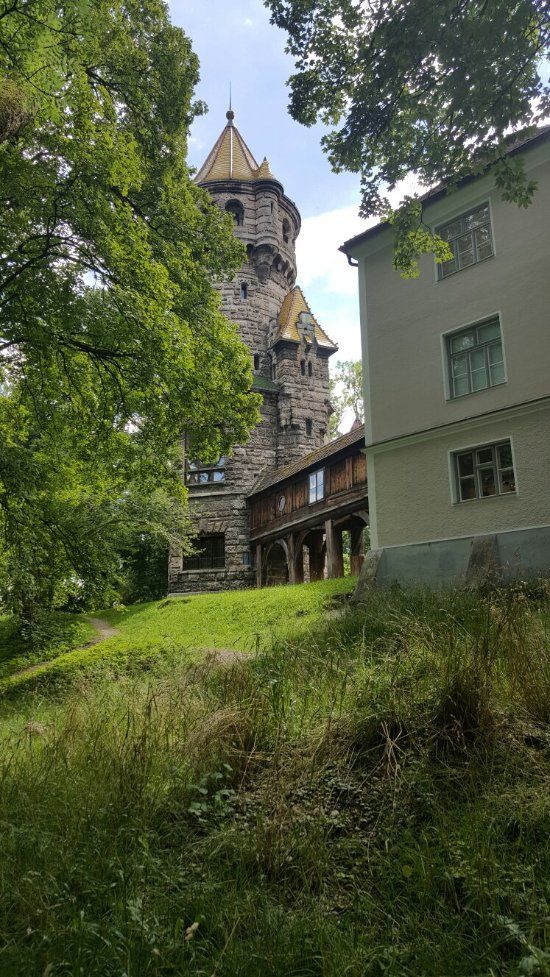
{"x": 231, "y": 159}
{"x": 293, "y": 306}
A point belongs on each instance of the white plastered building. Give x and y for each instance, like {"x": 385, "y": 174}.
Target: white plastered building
{"x": 457, "y": 386}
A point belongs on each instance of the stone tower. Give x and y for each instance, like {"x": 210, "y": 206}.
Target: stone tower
{"x": 289, "y": 351}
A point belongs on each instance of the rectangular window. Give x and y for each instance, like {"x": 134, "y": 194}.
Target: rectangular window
{"x": 475, "y": 358}
{"x": 485, "y": 471}
{"x": 317, "y": 486}
{"x": 210, "y": 553}
{"x": 198, "y": 474}
{"x": 470, "y": 239}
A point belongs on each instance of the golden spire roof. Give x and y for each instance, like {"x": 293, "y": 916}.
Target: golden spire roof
{"x": 231, "y": 159}
{"x": 294, "y": 312}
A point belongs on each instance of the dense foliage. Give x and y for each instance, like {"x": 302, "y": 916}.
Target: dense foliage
{"x": 429, "y": 88}
{"x": 111, "y": 339}
{"x": 346, "y": 393}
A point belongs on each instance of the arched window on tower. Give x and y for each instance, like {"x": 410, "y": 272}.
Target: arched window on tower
{"x": 309, "y": 426}
{"x": 236, "y": 209}
{"x": 303, "y": 367}
{"x": 256, "y": 361}
{"x": 310, "y": 369}
{"x": 244, "y": 290}
{"x": 286, "y": 232}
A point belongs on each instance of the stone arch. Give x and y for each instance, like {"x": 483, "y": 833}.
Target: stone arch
{"x": 275, "y": 570}
{"x": 206, "y": 525}
{"x": 236, "y": 209}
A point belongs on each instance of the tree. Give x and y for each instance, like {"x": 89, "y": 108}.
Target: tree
{"x": 112, "y": 343}
{"x": 346, "y": 393}
{"x": 429, "y": 87}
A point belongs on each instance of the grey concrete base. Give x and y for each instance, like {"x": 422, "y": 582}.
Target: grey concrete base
{"x": 484, "y": 563}
{"x": 509, "y": 556}
{"x": 367, "y": 577}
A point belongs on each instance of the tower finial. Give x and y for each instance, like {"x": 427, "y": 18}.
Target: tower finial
{"x": 230, "y": 115}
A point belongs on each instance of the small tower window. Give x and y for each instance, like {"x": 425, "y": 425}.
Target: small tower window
{"x": 310, "y": 369}
{"x": 236, "y": 209}
{"x": 256, "y": 361}
{"x": 271, "y": 205}
{"x": 286, "y": 232}
{"x": 309, "y": 426}
{"x": 273, "y": 369}
{"x": 303, "y": 367}
{"x": 244, "y": 290}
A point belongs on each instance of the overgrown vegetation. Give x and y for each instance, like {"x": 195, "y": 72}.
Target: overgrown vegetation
{"x": 426, "y": 88}
{"x": 111, "y": 337}
{"x": 368, "y": 798}
{"x": 58, "y": 634}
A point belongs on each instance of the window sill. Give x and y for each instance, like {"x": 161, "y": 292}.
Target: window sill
{"x": 474, "y": 393}
{"x": 486, "y": 498}
{"x": 205, "y": 485}
{"x": 204, "y": 570}
{"x": 439, "y": 281}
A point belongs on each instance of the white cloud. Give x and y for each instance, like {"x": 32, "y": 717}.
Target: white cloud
{"x": 317, "y": 250}
{"x": 328, "y": 280}
{"x": 321, "y": 236}
{"x": 248, "y": 22}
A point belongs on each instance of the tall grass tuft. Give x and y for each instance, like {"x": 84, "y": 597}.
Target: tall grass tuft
{"x": 369, "y": 798}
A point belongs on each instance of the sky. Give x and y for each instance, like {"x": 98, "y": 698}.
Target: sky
{"x": 236, "y": 43}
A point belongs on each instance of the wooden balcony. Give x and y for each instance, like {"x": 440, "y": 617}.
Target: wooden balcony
{"x": 309, "y": 504}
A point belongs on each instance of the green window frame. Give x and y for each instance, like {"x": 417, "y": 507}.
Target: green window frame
{"x": 485, "y": 472}
{"x": 475, "y": 358}
{"x": 470, "y": 238}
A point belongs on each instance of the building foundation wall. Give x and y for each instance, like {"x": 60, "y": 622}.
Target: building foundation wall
{"x": 520, "y": 554}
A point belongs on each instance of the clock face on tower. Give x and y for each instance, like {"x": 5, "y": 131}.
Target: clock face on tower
{"x": 281, "y": 503}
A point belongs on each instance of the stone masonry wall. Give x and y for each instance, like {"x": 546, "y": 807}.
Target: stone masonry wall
{"x": 222, "y": 508}
{"x": 302, "y": 398}
{"x": 269, "y": 273}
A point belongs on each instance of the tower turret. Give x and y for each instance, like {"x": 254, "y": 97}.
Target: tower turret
{"x": 267, "y": 222}
{"x": 289, "y": 352}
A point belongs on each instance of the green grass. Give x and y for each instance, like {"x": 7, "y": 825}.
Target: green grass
{"x": 163, "y": 632}
{"x": 368, "y": 797}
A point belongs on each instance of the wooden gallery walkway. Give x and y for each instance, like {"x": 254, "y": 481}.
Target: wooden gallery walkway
{"x": 299, "y": 513}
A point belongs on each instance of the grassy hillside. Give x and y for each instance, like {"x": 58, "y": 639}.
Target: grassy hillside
{"x": 368, "y": 797}
{"x": 161, "y": 633}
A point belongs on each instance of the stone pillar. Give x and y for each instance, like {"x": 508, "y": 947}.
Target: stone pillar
{"x": 357, "y": 555}
{"x": 335, "y": 555}
{"x": 258, "y": 565}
